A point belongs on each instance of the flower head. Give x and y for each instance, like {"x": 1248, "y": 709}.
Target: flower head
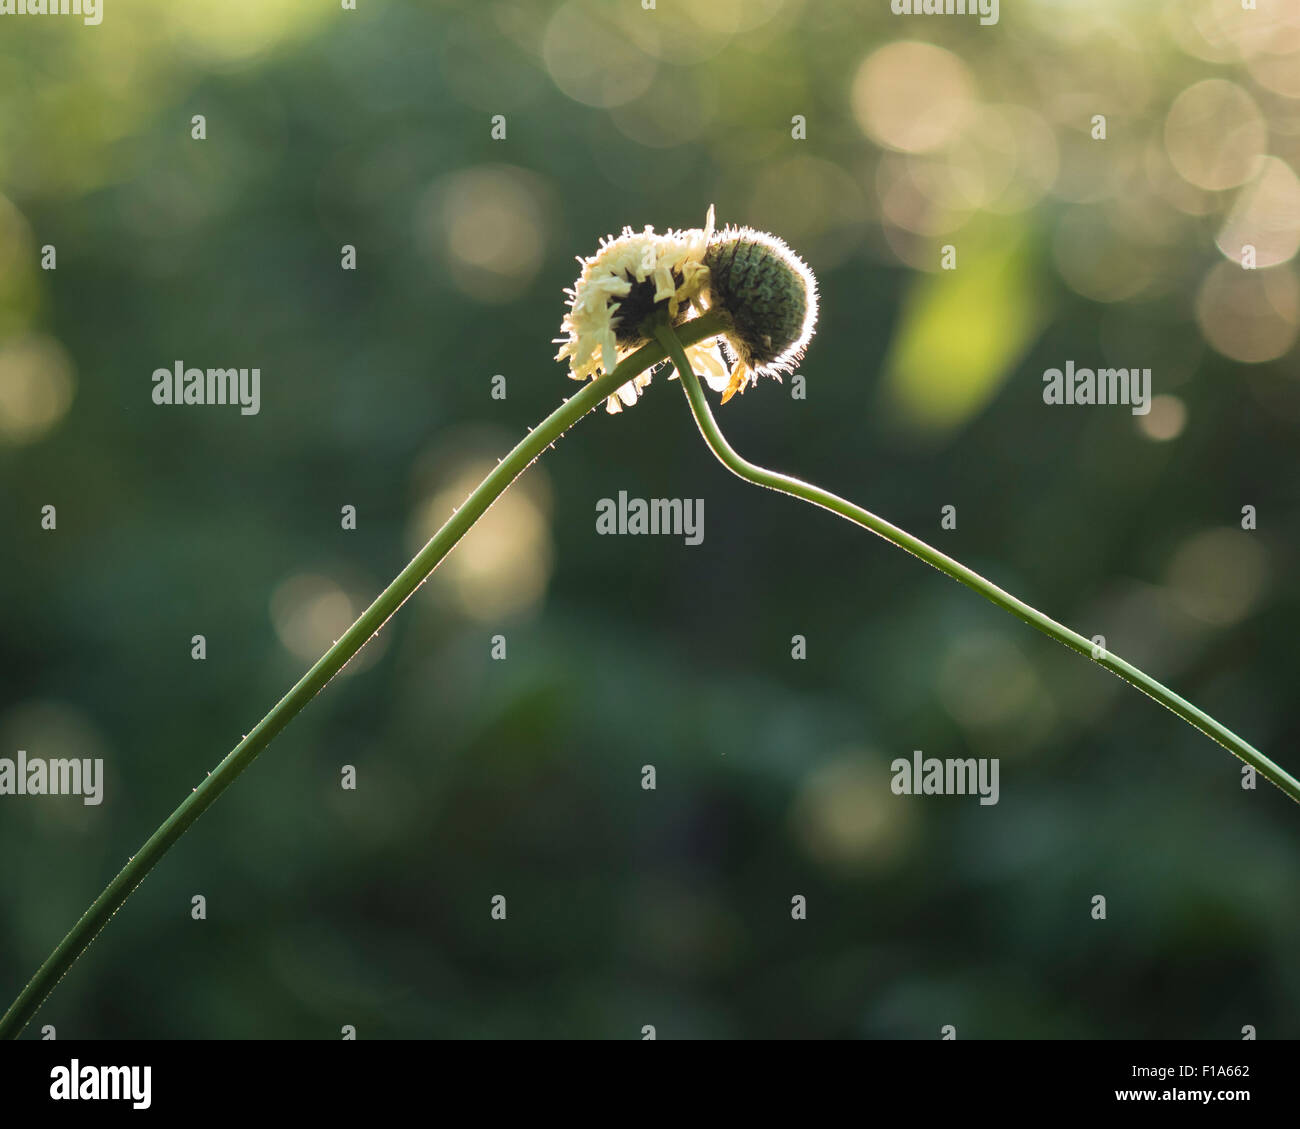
{"x": 765, "y": 293}
{"x": 618, "y": 289}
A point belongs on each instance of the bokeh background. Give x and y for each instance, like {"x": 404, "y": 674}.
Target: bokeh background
{"x": 372, "y": 128}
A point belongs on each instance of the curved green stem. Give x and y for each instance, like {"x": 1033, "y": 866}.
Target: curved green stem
{"x": 945, "y": 564}
{"x": 311, "y": 683}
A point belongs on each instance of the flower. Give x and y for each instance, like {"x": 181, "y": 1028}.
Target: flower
{"x": 765, "y": 293}
{"x": 619, "y": 287}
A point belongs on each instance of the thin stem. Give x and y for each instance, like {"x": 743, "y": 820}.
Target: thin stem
{"x": 352, "y": 640}
{"x": 787, "y": 485}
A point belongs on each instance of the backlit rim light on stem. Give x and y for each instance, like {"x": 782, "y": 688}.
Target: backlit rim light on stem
{"x": 815, "y": 495}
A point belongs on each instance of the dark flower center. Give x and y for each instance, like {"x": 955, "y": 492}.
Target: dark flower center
{"x": 636, "y": 307}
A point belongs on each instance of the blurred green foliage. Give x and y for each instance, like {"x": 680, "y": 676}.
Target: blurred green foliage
{"x": 522, "y": 777}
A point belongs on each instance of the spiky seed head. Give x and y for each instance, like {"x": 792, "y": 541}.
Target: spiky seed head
{"x": 769, "y": 297}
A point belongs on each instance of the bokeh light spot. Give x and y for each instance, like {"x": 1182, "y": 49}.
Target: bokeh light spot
{"x": 502, "y": 566}
{"x": 1215, "y": 134}
{"x": 1249, "y": 315}
{"x": 1165, "y": 420}
{"x": 846, "y": 814}
{"x": 488, "y": 224}
{"x": 594, "y": 59}
{"x": 36, "y": 388}
{"x": 310, "y": 612}
{"x": 1266, "y": 216}
{"x": 912, "y": 97}
{"x": 1217, "y": 576}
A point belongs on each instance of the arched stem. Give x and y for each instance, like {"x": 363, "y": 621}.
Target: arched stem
{"x": 329, "y": 664}
{"x": 806, "y": 492}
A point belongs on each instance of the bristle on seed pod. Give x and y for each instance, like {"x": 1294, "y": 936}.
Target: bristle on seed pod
{"x": 769, "y": 298}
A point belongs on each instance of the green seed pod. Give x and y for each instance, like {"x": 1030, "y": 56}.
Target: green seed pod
{"x": 769, "y": 297}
